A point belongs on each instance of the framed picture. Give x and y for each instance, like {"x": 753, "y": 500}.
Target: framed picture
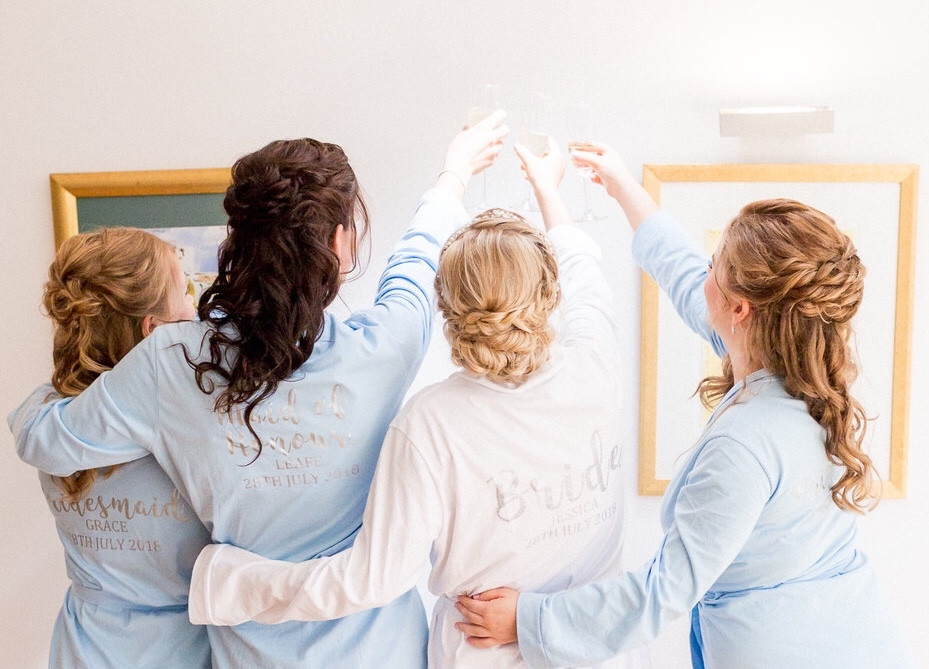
{"x": 876, "y": 206}
{"x": 183, "y": 207}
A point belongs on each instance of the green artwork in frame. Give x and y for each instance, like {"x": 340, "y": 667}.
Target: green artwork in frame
{"x": 184, "y": 207}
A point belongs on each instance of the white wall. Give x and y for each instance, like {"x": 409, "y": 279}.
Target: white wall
{"x": 142, "y": 85}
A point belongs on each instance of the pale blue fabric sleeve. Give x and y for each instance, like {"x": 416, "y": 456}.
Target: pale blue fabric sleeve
{"x": 717, "y": 509}
{"x": 405, "y": 292}
{"x": 671, "y": 257}
{"x": 93, "y": 429}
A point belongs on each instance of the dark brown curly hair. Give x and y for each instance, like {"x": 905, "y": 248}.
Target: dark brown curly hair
{"x": 277, "y": 271}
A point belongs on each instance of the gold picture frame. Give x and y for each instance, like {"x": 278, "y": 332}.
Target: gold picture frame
{"x": 183, "y": 207}
{"x": 68, "y": 188}
{"x": 886, "y": 192}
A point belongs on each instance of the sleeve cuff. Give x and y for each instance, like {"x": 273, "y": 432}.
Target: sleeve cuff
{"x": 529, "y": 628}
{"x": 443, "y": 226}
{"x": 198, "y": 601}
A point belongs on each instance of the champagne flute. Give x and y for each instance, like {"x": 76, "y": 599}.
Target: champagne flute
{"x": 485, "y": 101}
{"x": 534, "y": 133}
{"x": 581, "y": 131}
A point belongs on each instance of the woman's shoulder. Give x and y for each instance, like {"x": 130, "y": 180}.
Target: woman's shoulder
{"x": 178, "y": 332}
{"x": 168, "y": 346}
{"x": 768, "y": 421}
{"x": 765, "y": 396}
{"x": 190, "y": 335}
{"x": 436, "y": 402}
{"x": 435, "y": 394}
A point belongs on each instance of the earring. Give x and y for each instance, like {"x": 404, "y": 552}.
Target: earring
{"x": 733, "y": 328}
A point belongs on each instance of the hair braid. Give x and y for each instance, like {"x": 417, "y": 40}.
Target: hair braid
{"x": 496, "y": 285}
{"x": 277, "y": 270}
{"x": 805, "y": 282}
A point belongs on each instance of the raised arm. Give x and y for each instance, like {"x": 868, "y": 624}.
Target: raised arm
{"x": 663, "y": 249}
{"x": 587, "y": 301}
{"x": 544, "y": 174}
{"x": 400, "y": 522}
{"x": 610, "y": 171}
{"x": 405, "y": 293}
{"x": 668, "y": 254}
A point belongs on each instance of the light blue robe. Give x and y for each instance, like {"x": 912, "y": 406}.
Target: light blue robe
{"x": 321, "y": 430}
{"x": 129, "y": 546}
{"x": 754, "y": 547}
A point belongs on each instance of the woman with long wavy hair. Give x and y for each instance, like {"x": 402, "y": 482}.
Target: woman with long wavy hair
{"x": 506, "y": 471}
{"x": 129, "y": 538}
{"x": 760, "y": 520}
{"x": 269, "y": 413}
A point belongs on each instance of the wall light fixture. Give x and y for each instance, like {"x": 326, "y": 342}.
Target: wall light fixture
{"x": 775, "y": 121}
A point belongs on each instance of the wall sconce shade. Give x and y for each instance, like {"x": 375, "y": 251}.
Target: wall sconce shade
{"x": 775, "y": 121}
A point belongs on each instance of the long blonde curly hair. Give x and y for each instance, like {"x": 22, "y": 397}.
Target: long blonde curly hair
{"x": 496, "y": 286}
{"x": 804, "y": 281}
{"x": 100, "y": 287}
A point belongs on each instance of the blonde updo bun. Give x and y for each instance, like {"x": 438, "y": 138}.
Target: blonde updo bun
{"x": 497, "y": 285}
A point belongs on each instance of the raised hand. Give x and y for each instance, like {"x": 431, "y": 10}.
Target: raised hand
{"x": 475, "y": 148}
{"x": 543, "y": 172}
{"x": 610, "y": 171}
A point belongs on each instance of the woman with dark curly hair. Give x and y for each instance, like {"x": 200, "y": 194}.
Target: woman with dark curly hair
{"x": 507, "y": 471}
{"x": 760, "y": 533}
{"x": 269, "y": 413}
{"x": 129, "y": 538}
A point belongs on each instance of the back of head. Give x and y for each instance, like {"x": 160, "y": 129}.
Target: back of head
{"x": 497, "y": 285}
{"x": 277, "y": 269}
{"x": 284, "y": 205}
{"x": 805, "y": 282}
{"x": 794, "y": 265}
{"x": 100, "y": 287}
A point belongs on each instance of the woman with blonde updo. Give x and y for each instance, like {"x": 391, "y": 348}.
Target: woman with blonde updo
{"x": 507, "y": 471}
{"x": 760, "y": 521}
{"x": 130, "y": 539}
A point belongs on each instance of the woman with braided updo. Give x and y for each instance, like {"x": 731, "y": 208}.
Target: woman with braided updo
{"x": 129, "y": 538}
{"x": 507, "y": 471}
{"x": 269, "y": 413}
{"x": 760, "y": 531}
{"x": 497, "y": 286}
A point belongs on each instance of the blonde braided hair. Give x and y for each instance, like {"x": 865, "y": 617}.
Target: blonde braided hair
{"x": 497, "y": 285}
